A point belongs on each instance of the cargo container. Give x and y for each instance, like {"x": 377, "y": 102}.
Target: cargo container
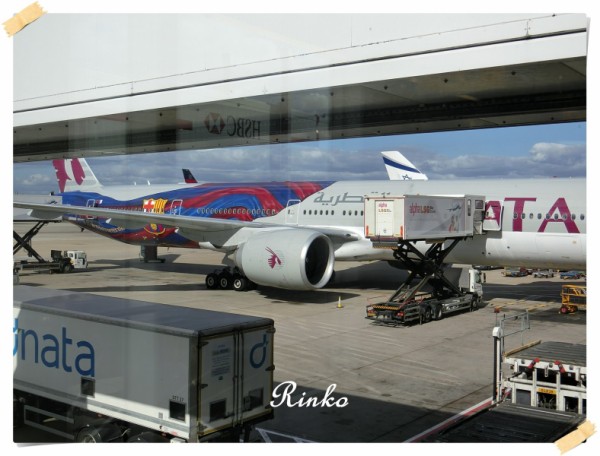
{"x": 423, "y": 217}
{"x": 94, "y": 369}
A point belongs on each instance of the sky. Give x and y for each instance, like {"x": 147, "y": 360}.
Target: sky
{"x": 511, "y": 152}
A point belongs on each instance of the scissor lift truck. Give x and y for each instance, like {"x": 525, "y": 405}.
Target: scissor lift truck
{"x": 400, "y": 223}
{"x": 61, "y": 261}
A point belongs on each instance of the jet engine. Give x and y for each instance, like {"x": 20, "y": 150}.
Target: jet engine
{"x": 296, "y": 259}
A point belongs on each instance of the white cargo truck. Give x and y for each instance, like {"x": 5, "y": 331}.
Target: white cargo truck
{"x": 423, "y": 217}
{"x": 96, "y": 369}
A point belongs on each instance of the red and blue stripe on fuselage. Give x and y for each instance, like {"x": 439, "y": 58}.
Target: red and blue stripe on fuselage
{"x": 245, "y": 202}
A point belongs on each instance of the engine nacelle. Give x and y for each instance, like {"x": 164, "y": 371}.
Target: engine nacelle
{"x": 296, "y": 259}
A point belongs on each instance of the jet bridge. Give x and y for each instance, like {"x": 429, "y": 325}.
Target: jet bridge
{"x": 224, "y": 80}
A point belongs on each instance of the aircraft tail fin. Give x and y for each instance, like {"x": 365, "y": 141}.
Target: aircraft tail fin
{"x": 188, "y": 177}
{"x": 399, "y": 167}
{"x": 74, "y": 174}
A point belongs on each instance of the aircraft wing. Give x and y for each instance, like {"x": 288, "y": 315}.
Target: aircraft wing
{"x": 193, "y": 227}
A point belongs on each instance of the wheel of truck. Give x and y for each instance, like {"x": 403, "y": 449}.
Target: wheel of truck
{"x": 438, "y": 313}
{"x": 564, "y": 310}
{"x": 212, "y": 281}
{"x": 105, "y": 433}
{"x": 427, "y": 314}
{"x": 68, "y": 268}
{"x": 240, "y": 283}
{"x": 474, "y": 304}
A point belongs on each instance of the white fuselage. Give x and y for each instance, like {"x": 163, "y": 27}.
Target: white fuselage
{"x": 538, "y": 223}
{"x": 531, "y": 222}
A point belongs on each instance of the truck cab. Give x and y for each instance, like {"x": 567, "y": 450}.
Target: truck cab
{"x": 78, "y": 258}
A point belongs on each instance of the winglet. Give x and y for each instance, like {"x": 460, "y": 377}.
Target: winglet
{"x": 400, "y": 168}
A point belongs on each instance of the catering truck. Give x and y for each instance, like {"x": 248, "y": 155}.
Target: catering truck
{"x": 100, "y": 369}
{"x": 439, "y": 224}
{"x": 422, "y": 217}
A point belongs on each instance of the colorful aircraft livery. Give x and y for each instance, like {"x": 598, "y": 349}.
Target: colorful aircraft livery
{"x": 290, "y": 234}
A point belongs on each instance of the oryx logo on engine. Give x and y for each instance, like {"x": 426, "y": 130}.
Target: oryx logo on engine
{"x": 274, "y": 260}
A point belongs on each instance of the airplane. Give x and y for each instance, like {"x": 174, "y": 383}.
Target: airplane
{"x": 188, "y": 177}
{"x": 399, "y": 167}
{"x": 290, "y": 234}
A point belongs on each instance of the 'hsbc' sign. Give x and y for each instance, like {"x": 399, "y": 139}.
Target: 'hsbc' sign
{"x": 232, "y": 126}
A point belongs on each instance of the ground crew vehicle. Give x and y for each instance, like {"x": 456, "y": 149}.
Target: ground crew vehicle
{"x": 514, "y": 272}
{"x": 573, "y": 297}
{"x": 418, "y": 304}
{"x": 97, "y": 369}
{"x": 422, "y": 230}
{"x": 61, "y": 261}
{"x": 573, "y": 275}
{"x": 542, "y": 398}
{"x": 543, "y": 274}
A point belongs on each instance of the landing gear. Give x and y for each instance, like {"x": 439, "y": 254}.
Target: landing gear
{"x": 227, "y": 279}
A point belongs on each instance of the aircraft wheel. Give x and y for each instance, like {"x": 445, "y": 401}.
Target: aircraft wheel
{"x": 225, "y": 280}
{"x": 212, "y": 281}
{"x": 240, "y": 283}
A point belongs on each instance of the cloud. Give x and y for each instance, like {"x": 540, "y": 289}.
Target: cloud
{"x": 542, "y": 160}
{"x": 323, "y": 161}
{"x": 558, "y": 154}
{"x": 34, "y": 178}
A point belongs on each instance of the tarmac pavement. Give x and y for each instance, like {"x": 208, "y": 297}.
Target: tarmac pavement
{"x": 395, "y": 382}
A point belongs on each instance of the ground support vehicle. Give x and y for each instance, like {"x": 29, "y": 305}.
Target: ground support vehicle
{"x": 422, "y": 217}
{"x": 400, "y": 223}
{"x": 543, "y": 274}
{"x": 96, "y": 369}
{"x": 510, "y": 423}
{"x": 514, "y": 272}
{"x": 541, "y": 400}
{"x": 550, "y": 375}
{"x": 412, "y": 305}
{"x": 573, "y": 298}
{"x": 61, "y": 261}
{"x": 571, "y": 275}
{"x": 64, "y": 261}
